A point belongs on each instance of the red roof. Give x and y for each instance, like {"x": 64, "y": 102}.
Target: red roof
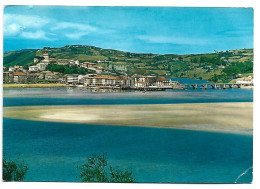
{"x": 19, "y": 73}
{"x": 163, "y": 79}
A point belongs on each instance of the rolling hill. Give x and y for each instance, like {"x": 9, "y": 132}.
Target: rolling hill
{"x": 195, "y": 66}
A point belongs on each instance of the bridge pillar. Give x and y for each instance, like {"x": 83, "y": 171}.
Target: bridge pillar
{"x": 194, "y": 86}
{"x": 205, "y": 86}
{"x": 214, "y": 86}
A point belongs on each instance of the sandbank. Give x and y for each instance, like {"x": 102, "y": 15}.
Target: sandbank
{"x": 216, "y": 117}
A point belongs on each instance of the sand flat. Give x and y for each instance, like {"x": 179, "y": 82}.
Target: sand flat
{"x": 218, "y": 117}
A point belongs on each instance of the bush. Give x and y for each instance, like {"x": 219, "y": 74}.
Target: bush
{"x": 13, "y": 170}
{"x": 97, "y": 170}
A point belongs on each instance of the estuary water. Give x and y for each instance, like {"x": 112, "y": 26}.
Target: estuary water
{"x": 53, "y": 151}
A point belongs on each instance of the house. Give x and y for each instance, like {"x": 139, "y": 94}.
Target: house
{"x": 63, "y": 61}
{"x": 74, "y": 62}
{"x": 35, "y": 60}
{"x": 19, "y": 77}
{"x": 139, "y": 78}
{"x": 99, "y": 69}
{"x": 41, "y": 66}
{"x": 6, "y": 77}
{"x": 102, "y": 81}
{"x": 15, "y": 68}
{"x": 33, "y": 68}
{"x": 163, "y": 82}
{"x": 45, "y": 54}
{"x": 71, "y": 79}
{"x": 141, "y": 84}
{"x": 53, "y": 60}
{"x": 245, "y": 80}
{"x": 11, "y": 69}
{"x": 51, "y": 77}
{"x": 87, "y": 65}
{"x": 32, "y": 77}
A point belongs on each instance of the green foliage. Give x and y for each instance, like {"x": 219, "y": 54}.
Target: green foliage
{"x": 66, "y": 69}
{"x": 231, "y": 70}
{"x": 13, "y": 170}
{"x": 97, "y": 170}
{"x": 237, "y": 68}
{"x": 20, "y": 58}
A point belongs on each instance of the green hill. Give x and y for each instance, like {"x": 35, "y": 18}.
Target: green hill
{"x": 196, "y": 66}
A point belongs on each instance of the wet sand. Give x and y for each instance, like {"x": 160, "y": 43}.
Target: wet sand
{"x": 216, "y": 117}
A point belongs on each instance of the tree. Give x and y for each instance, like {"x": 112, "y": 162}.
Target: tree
{"x": 13, "y": 170}
{"x": 231, "y": 70}
{"x": 214, "y": 78}
{"x": 97, "y": 170}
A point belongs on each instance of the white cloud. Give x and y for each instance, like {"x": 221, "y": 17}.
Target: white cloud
{"x": 39, "y": 34}
{"x": 76, "y": 35}
{"x": 32, "y": 21}
{"x": 173, "y": 40}
{"x": 34, "y": 27}
{"x": 75, "y": 26}
{"x": 14, "y": 23}
{"x": 12, "y": 29}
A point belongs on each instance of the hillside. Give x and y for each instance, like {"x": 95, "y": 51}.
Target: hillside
{"x": 196, "y": 66}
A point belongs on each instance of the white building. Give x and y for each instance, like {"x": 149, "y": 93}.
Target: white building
{"x": 11, "y": 69}
{"x": 71, "y": 79}
{"x": 41, "y": 66}
{"x": 245, "y": 80}
{"x": 163, "y": 82}
{"x": 33, "y": 68}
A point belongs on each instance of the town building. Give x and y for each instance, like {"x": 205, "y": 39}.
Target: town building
{"x": 33, "y": 68}
{"x": 63, "y": 61}
{"x": 163, "y": 82}
{"x": 245, "y": 80}
{"x": 41, "y": 66}
{"x": 19, "y": 77}
{"x": 87, "y": 65}
{"x": 6, "y": 77}
{"x": 70, "y": 79}
{"x": 32, "y": 77}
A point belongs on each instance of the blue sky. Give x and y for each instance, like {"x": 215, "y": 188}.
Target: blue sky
{"x": 161, "y": 30}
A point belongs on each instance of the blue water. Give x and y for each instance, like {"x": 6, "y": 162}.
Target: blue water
{"x": 54, "y": 150}
{"x": 64, "y": 96}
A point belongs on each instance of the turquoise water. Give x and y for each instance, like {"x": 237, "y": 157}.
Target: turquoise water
{"x": 54, "y": 150}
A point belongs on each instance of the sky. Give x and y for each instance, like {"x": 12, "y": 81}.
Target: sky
{"x": 159, "y": 30}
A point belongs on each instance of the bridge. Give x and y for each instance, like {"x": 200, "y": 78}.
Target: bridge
{"x": 216, "y": 85}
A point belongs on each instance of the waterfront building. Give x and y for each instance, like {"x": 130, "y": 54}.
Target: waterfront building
{"x": 163, "y": 82}
{"x": 141, "y": 84}
{"x": 51, "y": 77}
{"x": 70, "y": 79}
{"x": 245, "y": 80}
{"x": 19, "y": 77}
{"x": 6, "y": 77}
{"x": 32, "y": 77}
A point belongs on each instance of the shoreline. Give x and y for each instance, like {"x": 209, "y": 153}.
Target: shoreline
{"x": 36, "y": 85}
{"x": 236, "y": 117}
